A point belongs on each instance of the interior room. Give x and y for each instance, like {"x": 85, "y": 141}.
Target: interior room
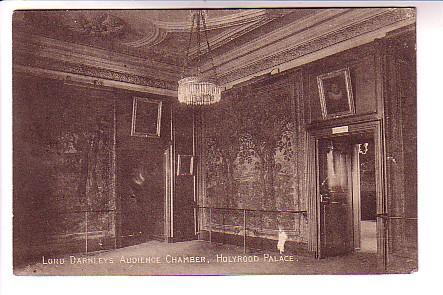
{"x": 169, "y": 134}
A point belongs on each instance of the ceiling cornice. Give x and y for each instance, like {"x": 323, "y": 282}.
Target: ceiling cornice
{"x": 89, "y": 56}
{"x": 89, "y": 71}
{"x": 304, "y": 59}
{"x": 306, "y": 28}
{"x": 328, "y": 30}
{"x": 55, "y": 59}
{"x": 88, "y": 81}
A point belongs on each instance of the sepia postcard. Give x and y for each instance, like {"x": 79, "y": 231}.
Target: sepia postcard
{"x": 214, "y": 141}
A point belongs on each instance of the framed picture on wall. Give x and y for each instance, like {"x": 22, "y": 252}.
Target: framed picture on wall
{"x": 146, "y": 117}
{"x": 185, "y": 165}
{"x": 336, "y": 96}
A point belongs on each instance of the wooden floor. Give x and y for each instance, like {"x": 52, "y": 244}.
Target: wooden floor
{"x": 143, "y": 260}
{"x": 368, "y": 236}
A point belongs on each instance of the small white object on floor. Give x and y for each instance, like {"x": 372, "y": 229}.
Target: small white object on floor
{"x": 282, "y": 237}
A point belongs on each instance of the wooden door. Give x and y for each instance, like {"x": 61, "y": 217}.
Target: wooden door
{"x": 335, "y": 193}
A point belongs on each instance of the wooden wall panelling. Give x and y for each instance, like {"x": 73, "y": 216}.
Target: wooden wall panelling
{"x": 361, "y": 62}
{"x": 382, "y": 207}
{"x": 366, "y": 69}
{"x": 401, "y": 147}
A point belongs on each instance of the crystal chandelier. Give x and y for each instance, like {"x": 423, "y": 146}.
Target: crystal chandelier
{"x": 196, "y": 89}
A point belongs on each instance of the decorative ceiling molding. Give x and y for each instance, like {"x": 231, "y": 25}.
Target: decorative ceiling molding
{"x": 96, "y": 72}
{"x": 235, "y": 19}
{"x": 156, "y": 37}
{"x": 98, "y": 29}
{"x": 231, "y": 34}
{"x": 45, "y": 54}
{"x": 236, "y": 24}
{"x": 82, "y": 80}
{"x": 231, "y": 80}
{"x": 233, "y": 66}
{"x": 305, "y": 28}
{"x": 303, "y": 38}
{"x": 100, "y": 24}
{"x": 94, "y": 57}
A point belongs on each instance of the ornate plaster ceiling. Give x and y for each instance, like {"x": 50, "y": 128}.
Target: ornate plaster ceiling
{"x": 157, "y": 34}
{"x": 148, "y": 47}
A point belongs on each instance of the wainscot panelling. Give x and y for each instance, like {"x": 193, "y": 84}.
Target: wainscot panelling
{"x": 401, "y": 149}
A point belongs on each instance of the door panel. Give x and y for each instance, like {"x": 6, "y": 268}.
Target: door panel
{"x": 335, "y": 191}
{"x": 140, "y": 185}
{"x": 184, "y": 206}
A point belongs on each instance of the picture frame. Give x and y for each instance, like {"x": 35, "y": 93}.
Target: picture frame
{"x": 146, "y": 117}
{"x": 335, "y": 91}
{"x": 185, "y": 165}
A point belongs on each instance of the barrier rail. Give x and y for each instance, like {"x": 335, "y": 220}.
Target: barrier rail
{"x": 244, "y": 211}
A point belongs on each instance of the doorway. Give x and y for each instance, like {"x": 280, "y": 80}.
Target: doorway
{"x": 142, "y": 200}
{"x": 348, "y": 199}
{"x": 364, "y": 196}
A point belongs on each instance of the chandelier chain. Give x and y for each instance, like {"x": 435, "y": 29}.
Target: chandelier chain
{"x": 185, "y": 64}
{"x": 209, "y": 51}
{"x": 198, "y": 42}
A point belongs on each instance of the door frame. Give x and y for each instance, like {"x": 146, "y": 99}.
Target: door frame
{"x": 168, "y": 169}
{"x": 314, "y": 135}
{"x": 356, "y": 196}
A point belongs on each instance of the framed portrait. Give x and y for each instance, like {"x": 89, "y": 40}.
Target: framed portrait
{"x": 185, "y": 165}
{"x": 336, "y": 98}
{"x": 146, "y": 117}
